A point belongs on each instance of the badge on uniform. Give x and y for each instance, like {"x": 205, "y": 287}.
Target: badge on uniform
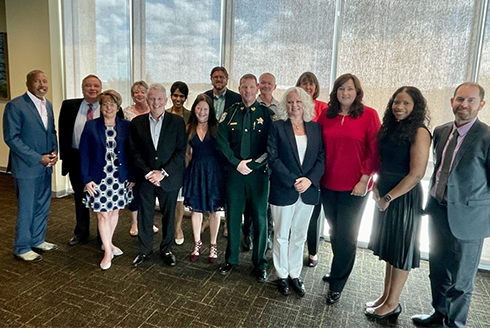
{"x": 260, "y": 120}
{"x": 223, "y": 116}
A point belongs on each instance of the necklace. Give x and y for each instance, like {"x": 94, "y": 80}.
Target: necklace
{"x": 297, "y": 126}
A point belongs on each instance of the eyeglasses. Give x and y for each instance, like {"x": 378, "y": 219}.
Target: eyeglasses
{"x": 110, "y": 104}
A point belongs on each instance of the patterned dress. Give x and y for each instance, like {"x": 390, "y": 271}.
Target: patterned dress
{"x": 112, "y": 193}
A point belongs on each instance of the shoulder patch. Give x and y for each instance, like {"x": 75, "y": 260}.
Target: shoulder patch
{"x": 274, "y": 117}
{"x": 223, "y": 116}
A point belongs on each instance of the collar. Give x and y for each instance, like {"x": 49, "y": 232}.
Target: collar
{"x": 221, "y": 96}
{"x": 463, "y": 130}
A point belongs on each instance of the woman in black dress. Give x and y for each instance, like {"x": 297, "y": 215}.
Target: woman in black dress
{"x": 203, "y": 181}
{"x": 404, "y": 144}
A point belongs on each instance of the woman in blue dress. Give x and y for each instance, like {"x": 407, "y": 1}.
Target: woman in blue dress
{"x": 203, "y": 180}
{"x": 105, "y": 170}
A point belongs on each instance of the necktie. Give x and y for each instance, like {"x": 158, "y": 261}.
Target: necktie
{"x": 245, "y": 145}
{"x": 446, "y": 166}
{"x": 90, "y": 112}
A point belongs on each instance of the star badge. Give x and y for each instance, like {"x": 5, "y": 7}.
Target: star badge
{"x": 260, "y": 120}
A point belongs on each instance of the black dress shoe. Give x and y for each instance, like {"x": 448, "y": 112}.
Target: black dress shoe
{"x": 326, "y": 277}
{"x": 371, "y": 313}
{"x": 247, "y": 244}
{"x": 283, "y": 287}
{"x": 434, "y": 319}
{"x": 139, "y": 259}
{"x": 77, "y": 240}
{"x": 169, "y": 259}
{"x": 225, "y": 268}
{"x": 333, "y": 297}
{"x": 261, "y": 275}
{"x": 298, "y": 287}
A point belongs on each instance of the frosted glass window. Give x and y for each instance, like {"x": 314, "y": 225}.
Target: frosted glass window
{"x": 284, "y": 37}
{"x": 182, "y": 42}
{"x": 97, "y": 41}
{"x": 484, "y": 75}
{"x": 388, "y": 44}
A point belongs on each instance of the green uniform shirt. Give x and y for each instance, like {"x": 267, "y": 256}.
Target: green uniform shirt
{"x": 231, "y": 131}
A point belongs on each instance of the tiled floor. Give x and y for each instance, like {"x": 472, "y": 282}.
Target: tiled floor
{"x": 68, "y": 289}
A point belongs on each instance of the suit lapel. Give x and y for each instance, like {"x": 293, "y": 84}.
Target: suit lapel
{"x": 167, "y": 121}
{"x": 442, "y": 142}
{"x": 101, "y": 132}
{"x": 34, "y": 111}
{"x": 288, "y": 128}
{"x": 468, "y": 140}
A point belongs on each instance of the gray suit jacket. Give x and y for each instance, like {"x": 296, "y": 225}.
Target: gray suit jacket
{"x": 27, "y": 138}
{"x": 468, "y": 188}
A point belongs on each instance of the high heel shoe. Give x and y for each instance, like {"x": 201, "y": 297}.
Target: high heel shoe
{"x": 371, "y": 313}
{"x": 196, "y": 251}
{"x": 213, "y": 253}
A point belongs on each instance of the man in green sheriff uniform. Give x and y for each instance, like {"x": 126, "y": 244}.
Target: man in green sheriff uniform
{"x": 242, "y": 138}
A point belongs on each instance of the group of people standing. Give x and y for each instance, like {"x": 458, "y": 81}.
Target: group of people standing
{"x": 245, "y": 153}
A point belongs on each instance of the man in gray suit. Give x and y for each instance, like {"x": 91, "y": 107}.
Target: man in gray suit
{"x": 28, "y": 130}
{"x": 459, "y": 208}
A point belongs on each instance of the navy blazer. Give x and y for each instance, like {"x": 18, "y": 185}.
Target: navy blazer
{"x": 231, "y": 98}
{"x": 285, "y": 165}
{"x": 468, "y": 186}
{"x": 27, "y": 138}
{"x": 66, "y": 124}
{"x": 170, "y": 152}
{"x": 93, "y": 150}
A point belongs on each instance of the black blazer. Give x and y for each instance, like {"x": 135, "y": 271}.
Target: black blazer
{"x": 231, "y": 97}
{"x": 285, "y": 165}
{"x": 66, "y": 123}
{"x": 170, "y": 153}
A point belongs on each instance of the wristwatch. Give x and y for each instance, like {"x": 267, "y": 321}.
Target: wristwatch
{"x": 387, "y": 198}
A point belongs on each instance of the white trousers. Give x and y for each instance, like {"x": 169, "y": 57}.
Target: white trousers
{"x": 290, "y": 228}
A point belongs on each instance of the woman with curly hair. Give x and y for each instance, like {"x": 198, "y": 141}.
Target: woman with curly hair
{"x": 404, "y": 143}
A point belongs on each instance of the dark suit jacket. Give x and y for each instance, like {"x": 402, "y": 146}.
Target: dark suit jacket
{"x": 27, "y": 138}
{"x": 170, "y": 152}
{"x": 468, "y": 187}
{"x": 66, "y": 123}
{"x": 93, "y": 150}
{"x": 231, "y": 97}
{"x": 285, "y": 165}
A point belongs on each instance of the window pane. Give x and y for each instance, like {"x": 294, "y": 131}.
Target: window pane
{"x": 182, "y": 42}
{"x": 284, "y": 37}
{"x": 388, "y": 44}
{"x": 97, "y": 41}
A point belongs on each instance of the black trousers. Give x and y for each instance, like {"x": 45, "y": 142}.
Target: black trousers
{"x": 344, "y": 213}
{"x": 313, "y": 237}
{"x": 146, "y": 212}
{"x": 453, "y": 264}
{"x": 82, "y": 214}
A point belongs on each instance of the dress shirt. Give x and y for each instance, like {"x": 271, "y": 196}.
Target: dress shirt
{"x": 41, "y": 107}
{"x": 155, "y": 129}
{"x": 219, "y": 103}
{"x": 273, "y": 105}
{"x": 81, "y": 120}
{"x": 462, "y": 131}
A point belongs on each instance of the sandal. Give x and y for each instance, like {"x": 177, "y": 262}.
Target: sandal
{"x": 311, "y": 262}
{"x": 196, "y": 251}
{"x": 213, "y": 253}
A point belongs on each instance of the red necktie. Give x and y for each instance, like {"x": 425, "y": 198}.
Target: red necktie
{"x": 90, "y": 112}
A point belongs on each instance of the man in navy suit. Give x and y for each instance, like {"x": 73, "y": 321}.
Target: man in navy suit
{"x": 459, "y": 208}
{"x": 73, "y": 115}
{"x": 158, "y": 145}
{"x": 28, "y": 130}
{"x": 222, "y": 97}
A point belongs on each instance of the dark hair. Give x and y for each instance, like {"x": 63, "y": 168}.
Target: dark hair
{"x": 181, "y": 86}
{"x": 334, "y": 105}
{"x": 219, "y": 68}
{"x": 309, "y": 77}
{"x": 89, "y": 76}
{"x": 212, "y": 121}
{"x": 405, "y": 130}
